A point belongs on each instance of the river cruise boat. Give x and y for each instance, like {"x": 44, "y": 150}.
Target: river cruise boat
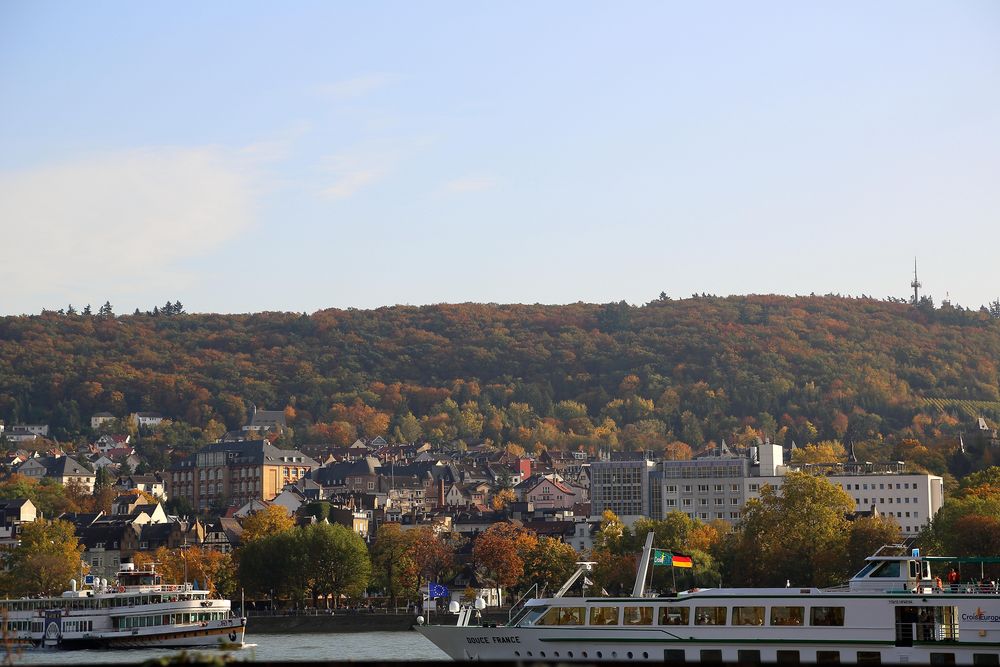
{"x": 891, "y": 612}
{"x": 137, "y": 610}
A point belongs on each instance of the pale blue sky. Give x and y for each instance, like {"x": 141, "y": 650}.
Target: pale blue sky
{"x": 246, "y": 156}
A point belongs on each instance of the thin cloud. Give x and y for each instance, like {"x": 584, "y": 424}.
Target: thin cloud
{"x": 117, "y": 223}
{"x": 350, "y": 172}
{"x": 470, "y": 184}
{"x": 350, "y": 182}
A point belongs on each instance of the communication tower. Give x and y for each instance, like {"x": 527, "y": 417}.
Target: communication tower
{"x": 915, "y": 284}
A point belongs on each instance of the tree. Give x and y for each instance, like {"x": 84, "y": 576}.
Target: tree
{"x": 48, "y": 495}
{"x": 611, "y": 534}
{"x": 829, "y": 451}
{"x": 499, "y": 554}
{"x": 338, "y": 560}
{"x": 867, "y": 534}
{"x": 213, "y": 570}
{"x": 271, "y": 520}
{"x": 677, "y": 451}
{"x": 44, "y": 561}
{"x": 106, "y": 311}
{"x": 395, "y": 570}
{"x": 803, "y": 527}
{"x": 968, "y": 523}
{"x": 549, "y": 563}
{"x": 430, "y": 554}
{"x": 614, "y": 572}
{"x": 502, "y": 499}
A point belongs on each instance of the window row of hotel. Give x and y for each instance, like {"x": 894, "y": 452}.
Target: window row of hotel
{"x": 724, "y": 485}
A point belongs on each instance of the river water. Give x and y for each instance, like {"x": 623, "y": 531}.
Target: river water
{"x": 408, "y": 645}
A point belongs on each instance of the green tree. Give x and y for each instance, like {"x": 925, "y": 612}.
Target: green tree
{"x": 798, "y": 533}
{"x": 968, "y": 523}
{"x": 44, "y": 561}
{"x": 407, "y": 428}
{"x": 338, "y": 560}
{"x": 613, "y": 534}
{"x": 867, "y": 534}
{"x": 549, "y": 563}
{"x": 47, "y": 495}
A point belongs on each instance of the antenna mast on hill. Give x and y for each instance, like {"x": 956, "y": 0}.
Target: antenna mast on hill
{"x": 915, "y": 284}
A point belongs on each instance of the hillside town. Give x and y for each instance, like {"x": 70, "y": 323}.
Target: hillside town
{"x": 202, "y": 500}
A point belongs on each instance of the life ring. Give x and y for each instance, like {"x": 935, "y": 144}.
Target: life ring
{"x": 121, "y": 589}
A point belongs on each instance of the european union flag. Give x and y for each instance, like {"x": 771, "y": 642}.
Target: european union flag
{"x": 437, "y": 591}
{"x": 661, "y": 557}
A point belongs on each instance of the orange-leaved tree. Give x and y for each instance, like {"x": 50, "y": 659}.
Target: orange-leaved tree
{"x": 499, "y": 554}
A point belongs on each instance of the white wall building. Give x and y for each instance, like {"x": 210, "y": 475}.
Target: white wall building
{"x": 719, "y": 487}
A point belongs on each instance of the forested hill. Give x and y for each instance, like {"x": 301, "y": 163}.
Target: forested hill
{"x": 692, "y": 370}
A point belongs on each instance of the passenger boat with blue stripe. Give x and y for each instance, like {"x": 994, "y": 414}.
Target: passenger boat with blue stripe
{"x": 136, "y": 610}
{"x": 891, "y": 612}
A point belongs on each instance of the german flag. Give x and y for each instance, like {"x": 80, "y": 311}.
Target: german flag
{"x": 681, "y": 561}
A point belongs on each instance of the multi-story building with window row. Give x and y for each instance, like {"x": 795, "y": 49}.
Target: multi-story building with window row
{"x": 719, "y": 487}
{"x": 622, "y": 485}
{"x": 234, "y": 473}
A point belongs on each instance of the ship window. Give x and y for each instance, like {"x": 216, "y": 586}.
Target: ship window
{"x": 674, "y": 615}
{"x": 563, "y": 616}
{"x": 869, "y": 658}
{"x": 787, "y": 615}
{"x": 604, "y": 616}
{"x": 942, "y": 658}
{"x": 826, "y": 616}
{"x": 985, "y": 659}
{"x": 748, "y": 657}
{"x": 748, "y": 616}
{"x": 638, "y": 615}
{"x": 673, "y": 655}
{"x": 788, "y": 657}
{"x": 532, "y": 617}
{"x": 710, "y": 616}
{"x": 887, "y": 569}
{"x": 711, "y": 655}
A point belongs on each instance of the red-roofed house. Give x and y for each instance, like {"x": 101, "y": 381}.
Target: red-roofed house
{"x": 546, "y": 492}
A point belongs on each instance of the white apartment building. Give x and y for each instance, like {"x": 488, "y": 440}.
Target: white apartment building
{"x": 718, "y": 487}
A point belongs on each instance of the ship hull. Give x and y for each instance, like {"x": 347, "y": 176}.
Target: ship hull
{"x": 658, "y": 645}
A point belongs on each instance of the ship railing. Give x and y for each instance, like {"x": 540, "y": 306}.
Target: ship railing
{"x": 983, "y": 588}
{"x": 927, "y": 632}
{"x": 516, "y": 608}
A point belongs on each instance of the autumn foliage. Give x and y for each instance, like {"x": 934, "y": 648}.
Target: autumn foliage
{"x": 666, "y": 377}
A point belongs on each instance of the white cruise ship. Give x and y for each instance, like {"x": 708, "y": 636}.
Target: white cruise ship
{"x": 891, "y": 612}
{"x": 138, "y": 610}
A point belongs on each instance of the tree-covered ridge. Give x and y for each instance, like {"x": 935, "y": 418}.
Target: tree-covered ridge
{"x": 706, "y": 368}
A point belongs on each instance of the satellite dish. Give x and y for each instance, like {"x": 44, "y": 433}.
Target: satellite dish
{"x": 480, "y": 604}
{"x": 454, "y": 607}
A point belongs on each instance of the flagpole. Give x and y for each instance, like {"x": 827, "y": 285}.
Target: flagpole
{"x": 673, "y": 573}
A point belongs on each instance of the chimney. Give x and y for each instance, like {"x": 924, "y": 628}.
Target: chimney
{"x": 441, "y": 492}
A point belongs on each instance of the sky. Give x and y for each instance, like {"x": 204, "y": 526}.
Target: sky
{"x": 262, "y": 156}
